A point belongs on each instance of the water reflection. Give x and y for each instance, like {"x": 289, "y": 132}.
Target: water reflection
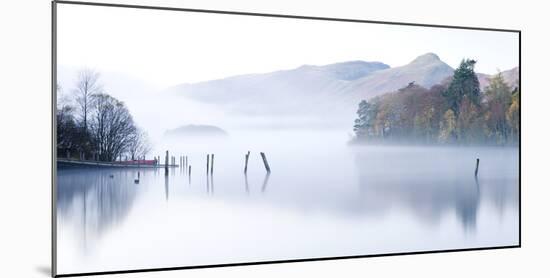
{"x": 246, "y": 187}
{"x": 98, "y": 199}
{"x": 266, "y": 180}
{"x": 264, "y": 183}
{"x": 428, "y": 187}
{"x": 166, "y": 187}
{"x": 431, "y": 186}
{"x": 212, "y": 184}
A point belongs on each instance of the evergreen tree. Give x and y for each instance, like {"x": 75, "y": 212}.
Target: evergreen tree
{"x": 363, "y": 123}
{"x": 463, "y": 85}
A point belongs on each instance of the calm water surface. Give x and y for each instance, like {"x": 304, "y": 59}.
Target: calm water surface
{"x": 322, "y": 199}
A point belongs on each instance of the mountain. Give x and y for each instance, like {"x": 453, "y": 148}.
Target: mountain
{"x": 511, "y": 77}
{"x": 426, "y": 70}
{"x": 303, "y": 81}
{"x": 196, "y": 131}
{"x": 325, "y": 92}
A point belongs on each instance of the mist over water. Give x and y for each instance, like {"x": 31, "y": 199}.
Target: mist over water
{"x": 323, "y": 198}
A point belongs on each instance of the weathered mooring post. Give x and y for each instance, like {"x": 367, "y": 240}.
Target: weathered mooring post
{"x": 265, "y": 162}
{"x": 246, "y": 162}
{"x": 207, "y": 163}
{"x": 189, "y": 173}
{"x": 212, "y": 165}
{"x": 166, "y": 164}
{"x": 477, "y": 166}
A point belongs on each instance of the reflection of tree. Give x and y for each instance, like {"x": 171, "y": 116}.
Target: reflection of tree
{"x": 431, "y": 183}
{"x": 94, "y": 201}
{"x": 428, "y": 194}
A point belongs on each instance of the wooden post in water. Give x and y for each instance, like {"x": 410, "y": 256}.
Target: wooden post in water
{"x": 477, "y": 166}
{"x": 166, "y": 164}
{"x": 246, "y": 162}
{"x": 265, "y": 163}
{"x": 189, "y": 174}
{"x": 212, "y": 165}
{"x": 207, "y": 163}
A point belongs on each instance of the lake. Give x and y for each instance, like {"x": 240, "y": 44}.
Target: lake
{"x": 323, "y": 198}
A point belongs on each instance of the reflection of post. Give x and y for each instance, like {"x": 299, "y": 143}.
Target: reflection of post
{"x": 189, "y": 173}
{"x": 166, "y": 187}
{"x": 246, "y": 162}
{"x": 266, "y": 180}
{"x": 212, "y": 165}
{"x": 477, "y": 166}
{"x": 207, "y": 182}
{"x": 211, "y": 184}
{"x": 246, "y": 183}
{"x": 265, "y": 163}
{"x": 166, "y": 164}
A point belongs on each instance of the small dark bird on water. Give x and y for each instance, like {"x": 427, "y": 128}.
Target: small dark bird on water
{"x": 111, "y": 176}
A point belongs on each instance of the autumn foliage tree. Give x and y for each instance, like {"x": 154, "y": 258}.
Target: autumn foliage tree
{"x": 455, "y": 112}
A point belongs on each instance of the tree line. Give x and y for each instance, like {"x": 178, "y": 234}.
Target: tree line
{"x": 93, "y": 125}
{"x": 454, "y": 112}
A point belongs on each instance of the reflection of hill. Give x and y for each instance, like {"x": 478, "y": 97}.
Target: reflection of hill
{"x": 93, "y": 201}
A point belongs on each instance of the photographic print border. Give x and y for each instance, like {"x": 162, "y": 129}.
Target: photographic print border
{"x": 238, "y": 13}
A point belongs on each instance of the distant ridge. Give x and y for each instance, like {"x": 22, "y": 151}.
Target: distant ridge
{"x": 327, "y": 90}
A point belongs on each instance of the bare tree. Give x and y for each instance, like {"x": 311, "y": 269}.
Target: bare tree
{"x": 112, "y": 127}
{"x": 139, "y": 145}
{"x": 86, "y": 86}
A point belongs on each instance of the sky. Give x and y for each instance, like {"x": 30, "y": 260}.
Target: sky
{"x": 166, "y": 48}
